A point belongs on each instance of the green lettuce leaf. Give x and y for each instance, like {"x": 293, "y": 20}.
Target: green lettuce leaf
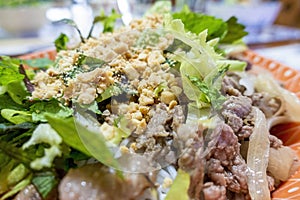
{"x": 201, "y": 68}
{"x": 93, "y": 139}
{"x": 9, "y": 70}
{"x": 16, "y": 116}
{"x": 18, "y": 187}
{"x": 42, "y": 108}
{"x": 7, "y": 102}
{"x": 66, "y": 128}
{"x": 17, "y": 91}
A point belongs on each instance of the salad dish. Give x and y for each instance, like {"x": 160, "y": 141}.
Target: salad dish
{"x": 168, "y": 107}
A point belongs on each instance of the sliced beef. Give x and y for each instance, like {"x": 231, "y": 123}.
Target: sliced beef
{"x": 231, "y": 86}
{"x": 235, "y": 109}
{"x": 267, "y": 104}
{"x": 158, "y": 139}
{"x": 245, "y": 132}
{"x": 216, "y": 171}
{"x": 275, "y": 142}
{"x": 214, "y": 192}
{"x": 225, "y": 166}
{"x": 29, "y": 193}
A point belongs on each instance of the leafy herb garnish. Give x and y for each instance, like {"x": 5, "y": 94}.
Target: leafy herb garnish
{"x": 210, "y": 87}
{"x": 108, "y": 21}
{"x": 228, "y": 32}
{"x": 61, "y": 42}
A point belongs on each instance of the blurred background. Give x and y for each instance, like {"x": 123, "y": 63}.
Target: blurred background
{"x": 31, "y": 25}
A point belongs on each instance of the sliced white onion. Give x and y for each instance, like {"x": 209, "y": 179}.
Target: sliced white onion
{"x": 281, "y": 162}
{"x": 257, "y": 158}
{"x": 266, "y": 83}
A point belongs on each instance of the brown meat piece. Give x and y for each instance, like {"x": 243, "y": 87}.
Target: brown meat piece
{"x": 231, "y": 86}
{"x": 275, "y": 142}
{"x": 193, "y": 161}
{"x": 267, "y": 104}
{"x": 28, "y": 193}
{"x": 214, "y": 192}
{"x": 235, "y": 109}
{"x": 95, "y": 181}
{"x": 225, "y": 165}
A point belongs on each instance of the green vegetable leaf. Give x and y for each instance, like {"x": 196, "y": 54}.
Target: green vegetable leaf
{"x": 66, "y": 128}
{"x": 107, "y": 21}
{"x": 17, "y": 174}
{"x": 6, "y": 166}
{"x": 210, "y": 87}
{"x": 16, "y": 116}
{"x": 227, "y": 31}
{"x": 179, "y": 188}
{"x": 9, "y": 70}
{"x": 91, "y": 62}
{"x": 198, "y": 22}
{"x": 91, "y": 136}
{"x": 91, "y": 107}
{"x": 61, "y": 42}
{"x": 41, "y": 63}
{"x": 17, "y": 91}
{"x": 45, "y": 182}
{"x": 7, "y": 102}
{"x": 18, "y": 187}
{"x": 235, "y": 31}
{"x": 16, "y": 153}
{"x": 112, "y": 90}
{"x": 6, "y": 129}
{"x": 42, "y": 108}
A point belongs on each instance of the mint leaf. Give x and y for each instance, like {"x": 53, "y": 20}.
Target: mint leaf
{"x": 61, "y": 42}
{"x": 235, "y": 31}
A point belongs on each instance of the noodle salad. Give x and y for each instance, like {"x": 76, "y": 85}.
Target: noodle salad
{"x": 163, "y": 108}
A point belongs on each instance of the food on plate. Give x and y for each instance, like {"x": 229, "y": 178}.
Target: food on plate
{"x": 159, "y": 109}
